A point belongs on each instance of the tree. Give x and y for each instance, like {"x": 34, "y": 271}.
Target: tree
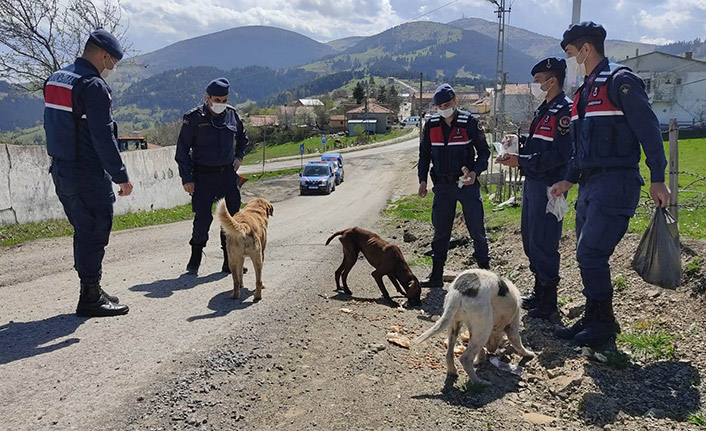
{"x": 359, "y": 93}
{"x": 382, "y": 95}
{"x": 39, "y": 37}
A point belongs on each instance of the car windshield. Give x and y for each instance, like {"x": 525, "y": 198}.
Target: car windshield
{"x": 316, "y": 171}
{"x": 335, "y": 161}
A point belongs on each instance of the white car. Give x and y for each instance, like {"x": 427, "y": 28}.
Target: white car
{"x": 411, "y": 121}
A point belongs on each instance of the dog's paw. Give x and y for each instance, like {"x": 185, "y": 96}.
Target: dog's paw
{"x": 235, "y": 294}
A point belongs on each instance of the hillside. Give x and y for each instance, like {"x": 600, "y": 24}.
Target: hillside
{"x": 436, "y": 49}
{"x": 341, "y": 44}
{"x": 18, "y": 110}
{"x": 541, "y": 46}
{"x": 238, "y": 47}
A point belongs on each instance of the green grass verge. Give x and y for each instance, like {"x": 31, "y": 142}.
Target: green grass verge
{"x": 311, "y": 146}
{"x": 648, "y": 344}
{"x": 13, "y": 235}
{"x": 697, "y": 418}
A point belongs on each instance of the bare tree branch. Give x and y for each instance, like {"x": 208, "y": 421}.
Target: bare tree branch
{"x": 38, "y": 37}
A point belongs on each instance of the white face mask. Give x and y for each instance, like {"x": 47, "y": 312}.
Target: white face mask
{"x": 446, "y": 113}
{"x": 576, "y": 67}
{"x": 218, "y": 108}
{"x": 538, "y": 91}
{"x": 107, "y": 72}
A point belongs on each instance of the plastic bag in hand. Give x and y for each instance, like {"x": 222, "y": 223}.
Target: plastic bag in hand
{"x": 509, "y": 145}
{"x": 557, "y": 206}
{"x": 658, "y": 257}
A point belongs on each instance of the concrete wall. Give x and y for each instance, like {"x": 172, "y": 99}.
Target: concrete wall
{"x": 27, "y": 191}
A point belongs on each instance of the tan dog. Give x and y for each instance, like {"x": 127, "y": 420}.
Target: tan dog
{"x": 489, "y": 306}
{"x": 246, "y": 235}
{"x": 385, "y": 257}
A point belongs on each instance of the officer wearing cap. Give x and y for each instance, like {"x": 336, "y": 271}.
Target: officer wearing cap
{"x": 454, "y": 144}
{"x": 81, "y": 140}
{"x": 611, "y": 117}
{"x": 211, "y": 146}
{"x": 543, "y": 157}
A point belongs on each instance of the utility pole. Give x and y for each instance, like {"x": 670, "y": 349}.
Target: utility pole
{"x": 674, "y": 168}
{"x": 421, "y": 112}
{"x": 576, "y": 12}
{"x": 501, "y": 75}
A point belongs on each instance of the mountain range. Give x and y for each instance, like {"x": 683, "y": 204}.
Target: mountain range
{"x": 265, "y": 62}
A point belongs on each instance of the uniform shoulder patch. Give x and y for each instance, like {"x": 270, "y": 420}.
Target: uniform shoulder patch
{"x": 480, "y": 126}
{"x": 565, "y": 121}
{"x": 625, "y": 88}
{"x": 186, "y": 121}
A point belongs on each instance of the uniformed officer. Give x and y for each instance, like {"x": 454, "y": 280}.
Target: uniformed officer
{"x": 210, "y": 149}
{"x": 455, "y": 145}
{"x": 543, "y": 157}
{"x": 82, "y": 142}
{"x": 610, "y": 118}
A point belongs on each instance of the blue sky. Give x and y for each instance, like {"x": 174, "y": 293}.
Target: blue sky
{"x": 153, "y": 25}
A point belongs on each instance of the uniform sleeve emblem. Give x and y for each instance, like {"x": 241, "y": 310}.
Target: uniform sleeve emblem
{"x": 625, "y": 88}
{"x": 565, "y": 122}
{"x": 480, "y": 126}
{"x": 186, "y": 121}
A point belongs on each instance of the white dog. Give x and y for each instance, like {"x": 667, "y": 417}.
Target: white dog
{"x": 489, "y": 306}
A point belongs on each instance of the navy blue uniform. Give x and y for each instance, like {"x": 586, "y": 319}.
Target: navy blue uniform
{"x": 207, "y": 147}
{"x": 544, "y": 154}
{"x": 611, "y": 117}
{"x": 82, "y": 141}
{"x": 447, "y": 149}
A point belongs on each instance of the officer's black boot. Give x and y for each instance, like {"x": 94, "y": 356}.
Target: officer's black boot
{"x": 581, "y": 324}
{"x": 531, "y": 300}
{"x": 111, "y": 298}
{"x": 601, "y": 328}
{"x": 436, "y": 277}
{"x": 547, "y": 305}
{"x": 93, "y": 303}
{"x": 195, "y": 261}
{"x": 225, "y": 268}
{"x": 484, "y": 264}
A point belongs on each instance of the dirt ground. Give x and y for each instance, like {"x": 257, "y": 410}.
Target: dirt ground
{"x": 325, "y": 363}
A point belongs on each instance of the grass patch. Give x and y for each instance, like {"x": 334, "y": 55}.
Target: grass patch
{"x": 620, "y": 283}
{"x": 421, "y": 261}
{"x": 697, "y": 418}
{"x": 410, "y": 208}
{"x": 564, "y": 300}
{"x": 13, "y": 235}
{"x": 648, "y": 344}
{"x": 311, "y": 146}
{"x": 271, "y": 174}
{"x": 693, "y": 266}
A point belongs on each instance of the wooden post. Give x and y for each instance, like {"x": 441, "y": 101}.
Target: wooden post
{"x": 674, "y": 168}
{"x": 421, "y": 113}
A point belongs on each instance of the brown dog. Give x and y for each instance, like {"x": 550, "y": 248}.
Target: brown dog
{"x": 246, "y": 235}
{"x": 385, "y": 257}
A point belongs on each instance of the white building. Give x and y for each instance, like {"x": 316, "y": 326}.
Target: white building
{"x": 675, "y": 85}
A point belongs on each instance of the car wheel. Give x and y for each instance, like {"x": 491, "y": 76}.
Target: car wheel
{"x": 333, "y": 188}
{"x": 328, "y": 190}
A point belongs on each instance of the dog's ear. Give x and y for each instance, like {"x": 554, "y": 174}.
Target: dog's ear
{"x": 270, "y": 209}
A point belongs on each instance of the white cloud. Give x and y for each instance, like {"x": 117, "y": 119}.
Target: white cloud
{"x": 656, "y": 40}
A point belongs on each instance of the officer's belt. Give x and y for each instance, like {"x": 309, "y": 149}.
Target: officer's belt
{"x": 204, "y": 169}
{"x": 589, "y": 172}
{"x": 444, "y": 179}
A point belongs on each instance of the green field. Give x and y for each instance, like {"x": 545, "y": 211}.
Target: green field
{"x": 311, "y": 146}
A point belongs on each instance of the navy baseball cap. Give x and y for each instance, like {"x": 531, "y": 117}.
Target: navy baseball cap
{"x": 582, "y": 29}
{"x": 444, "y": 93}
{"x": 218, "y": 87}
{"x": 551, "y": 64}
{"x": 106, "y": 41}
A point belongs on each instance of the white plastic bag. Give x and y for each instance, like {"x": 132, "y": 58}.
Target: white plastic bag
{"x": 509, "y": 145}
{"x": 557, "y": 206}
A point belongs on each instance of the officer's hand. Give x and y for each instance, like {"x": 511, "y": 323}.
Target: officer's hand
{"x": 660, "y": 194}
{"x": 236, "y": 164}
{"x": 469, "y": 177}
{"x": 125, "y": 189}
{"x": 510, "y": 160}
{"x": 189, "y": 188}
{"x": 560, "y": 188}
{"x": 422, "y": 189}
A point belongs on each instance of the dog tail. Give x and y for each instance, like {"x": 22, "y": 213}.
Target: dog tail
{"x": 452, "y": 302}
{"x": 228, "y": 223}
{"x": 340, "y": 232}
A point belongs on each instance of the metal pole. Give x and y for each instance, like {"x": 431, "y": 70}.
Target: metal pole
{"x": 264, "y": 144}
{"x": 421, "y": 113}
{"x": 674, "y": 168}
{"x": 576, "y": 12}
